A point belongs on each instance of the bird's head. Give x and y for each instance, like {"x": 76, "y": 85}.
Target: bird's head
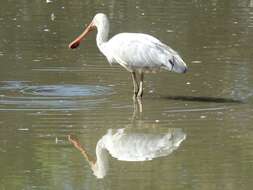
{"x": 97, "y": 22}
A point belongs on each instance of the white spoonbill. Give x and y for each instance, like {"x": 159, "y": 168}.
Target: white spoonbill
{"x": 136, "y": 52}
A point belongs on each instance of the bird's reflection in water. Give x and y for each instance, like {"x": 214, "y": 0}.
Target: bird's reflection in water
{"x": 127, "y": 145}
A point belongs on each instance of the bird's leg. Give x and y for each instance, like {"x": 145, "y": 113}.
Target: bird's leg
{"x": 136, "y": 87}
{"x": 140, "y": 93}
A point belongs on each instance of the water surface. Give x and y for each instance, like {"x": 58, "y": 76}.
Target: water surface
{"x": 48, "y": 92}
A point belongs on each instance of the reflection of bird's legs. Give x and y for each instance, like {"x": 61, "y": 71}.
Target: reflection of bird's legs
{"x": 140, "y": 93}
{"x": 79, "y": 147}
{"x": 136, "y": 87}
{"x": 135, "y": 109}
{"x": 137, "y": 104}
{"x": 139, "y": 101}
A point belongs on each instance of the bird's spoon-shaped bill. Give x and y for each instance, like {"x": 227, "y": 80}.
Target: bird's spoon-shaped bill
{"x": 78, "y": 40}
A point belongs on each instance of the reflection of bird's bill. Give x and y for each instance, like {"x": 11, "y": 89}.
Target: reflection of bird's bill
{"x": 74, "y": 140}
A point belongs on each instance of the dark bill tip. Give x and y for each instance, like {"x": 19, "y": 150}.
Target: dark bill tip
{"x": 74, "y": 44}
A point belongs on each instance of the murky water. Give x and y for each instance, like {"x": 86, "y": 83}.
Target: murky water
{"x": 194, "y": 132}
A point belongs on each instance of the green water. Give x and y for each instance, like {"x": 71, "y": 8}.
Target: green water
{"x": 48, "y": 92}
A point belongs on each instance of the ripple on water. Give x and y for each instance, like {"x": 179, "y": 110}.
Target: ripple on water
{"x": 67, "y": 90}
{"x": 22, "y": 95}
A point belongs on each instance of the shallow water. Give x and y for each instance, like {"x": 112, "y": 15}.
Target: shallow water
{"x": 48, "y": 92}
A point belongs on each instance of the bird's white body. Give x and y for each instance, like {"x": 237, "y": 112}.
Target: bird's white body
{"x": 141, "y": 52}
{"x": 136, "y": 52}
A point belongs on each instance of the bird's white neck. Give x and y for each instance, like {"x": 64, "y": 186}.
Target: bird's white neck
{"x": 102, "y": 33}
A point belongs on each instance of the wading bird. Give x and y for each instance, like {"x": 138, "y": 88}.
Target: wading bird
{"x": 136, "y": 52}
